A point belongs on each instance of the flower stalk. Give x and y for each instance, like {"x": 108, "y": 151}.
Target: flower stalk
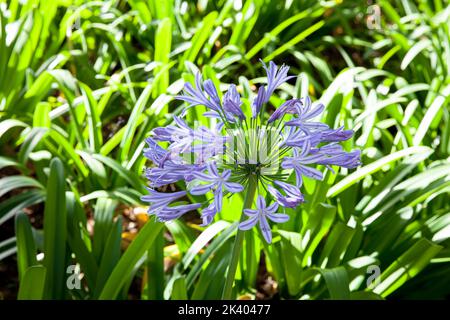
{"x": 238, "y": 241}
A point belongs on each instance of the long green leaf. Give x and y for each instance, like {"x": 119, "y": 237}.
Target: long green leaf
{"x": 32, "y": 285}
{"x": 135, "y": 251}
{"x": 26, "y": 248}
{"x": 55, "y": 224}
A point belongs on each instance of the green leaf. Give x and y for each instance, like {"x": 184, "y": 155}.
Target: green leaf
{"x": 371, "y": 168}
{"x": 11, "y": 206}
{"x": 414, "y": 51}
{"x": 7, "y": 248}
{"x": 244, "y": 24}
{"x": 55, "y": 228}
{"x": 163, "y": 43}
{"x": 135, "y": 251}
{"x": 103, "y": 218}
{"x": 128, "y": 176}
{"x": 200, "y": 37}
{"x": 291, "y": 255}
{"x": 132, "y": 123}
{"x": 211, "y": 281}
{"x": 76, "y": 238}
{"x": 363, "y": 295}
{"x": 182, "y": 234}
{"x": 32, "y": 285}
{"x": 8, "y": 124}
{"x": 179, "y": 291}
{"x": 274, "y": 33}
{"x": 97, "y": 168}
{"x": 250, "y": 259}
{"x": 142, "y": 8}
{"x": 337, "y": 283}
{"x": 407, "y": 266}
{"x": 31, "y": 141}
{"x": 94, "y": 123}
{"x": 212, "y": 248}
{"x": 68, "y": 148}
{"x": 429, "y": 116}
{"x": 302, "y": 35}
{"x": 26, "y": 248}
{"x": 8, "y": 162}
{"x": 68, "y": 84}
{"x": 110, "y": 256}
{"x": 155, "y": 271}
{"x": 41, "y": 116}
{"x": 15, "y": 182}
{"x": 318, "y": 224}
{"x": 202, "y": 240}
{"x": 336, "y": 245}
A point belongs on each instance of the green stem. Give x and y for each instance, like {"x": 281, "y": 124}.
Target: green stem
{"x": 227, "y": 291}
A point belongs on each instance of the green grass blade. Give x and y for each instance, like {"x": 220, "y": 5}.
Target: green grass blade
{"x": 337, "y": 283}
{"x": 132, "y": 123}
{"x": 199, "y": 38}
{"x": 155, "y": 269}
{"x": 302, "y": 35}
{"x": 94, "y": 123}
{"x": 406, "y": 266}
{"x": 135, "y": 251}
{"x": 15, "y": 182}
{"x": 26, "y": 248}
{"x": 55, "y": 223}
{"x": 371, "y": 168}
{"x": 163, "y": 44}
{"x": 11, "y": 206}
{"x": 110, "y": 256}
{"x": 32, "y": 285}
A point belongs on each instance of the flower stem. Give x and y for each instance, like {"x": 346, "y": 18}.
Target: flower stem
{"x": 237, "y": 247}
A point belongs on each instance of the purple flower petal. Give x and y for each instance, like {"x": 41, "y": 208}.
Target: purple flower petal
{"x": 233, "y": 187}
{"x": 312, "y": 173}
{"x": 292, "y": 198}
{"x": 249, "y": 223}
{"x": 197, "y": 97}
{"x": 250, "y": 212}
{"x": 160, "y": 201}
{"x": 171, "y": 213}
{"x": 202, "y": 176}
{"x": 314, "y": 113}
{"x": 162, "y": 198}
{"x": 258, "y": 102}
{"x": 212, "y": 168}
{"x": 339, "y": 134}
{"x": 260, "y": 216}
{"x": 265, "y": 229}
{"x": 261, "y": 203}
{"x": 208, "y": 214}
{"x": 226, "y": 174}
{"x": 211, "y": 90}
{"x": 275, "y": 78}
{"x": 218, "y": 196}
{"x": 232, "y": 102}
{"x": 278, "y": 218}
{"x": 201, "y": 189}
{"x": 272, "y": 208}
{"x": 154, "y": 152}
{"x": 286, "y": 107}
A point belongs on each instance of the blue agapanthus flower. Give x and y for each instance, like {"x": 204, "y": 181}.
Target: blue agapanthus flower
{"x": 243, "y": 145}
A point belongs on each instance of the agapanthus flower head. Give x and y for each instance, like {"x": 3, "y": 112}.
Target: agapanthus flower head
{"x": 247, "y": 147}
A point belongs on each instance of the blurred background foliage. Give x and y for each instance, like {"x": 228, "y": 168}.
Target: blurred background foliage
{"x": 82, "y": 83}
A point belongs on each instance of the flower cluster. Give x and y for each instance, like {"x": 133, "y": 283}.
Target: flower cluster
{"x": 244, "y": 146}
